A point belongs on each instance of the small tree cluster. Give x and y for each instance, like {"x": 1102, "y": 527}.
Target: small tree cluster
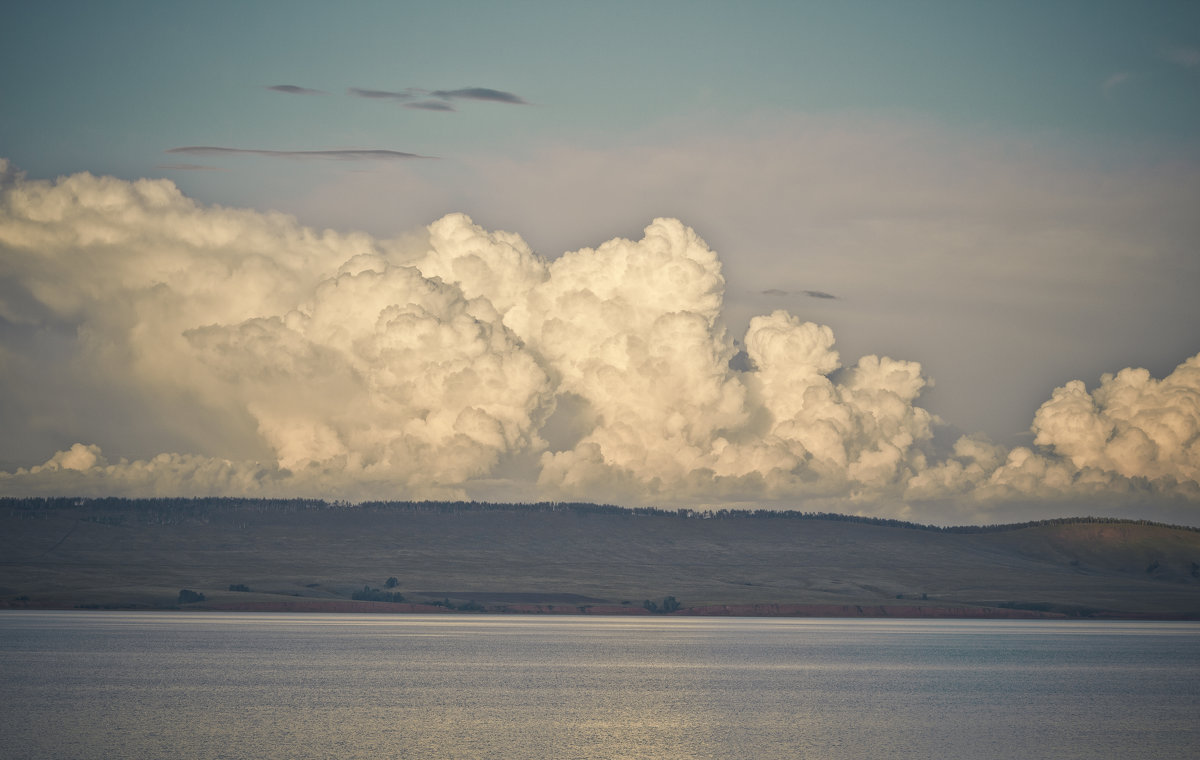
{"x": 469, "y": 606}
{"x": 187, "y": 596}
{"x": 669, "y": 604}
{"x": 368, "y": 594}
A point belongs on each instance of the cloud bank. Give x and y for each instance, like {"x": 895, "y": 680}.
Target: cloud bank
{"x": 458, "y": 362}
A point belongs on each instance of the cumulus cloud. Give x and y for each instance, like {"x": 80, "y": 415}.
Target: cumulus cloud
{"x": 444, "y": 364}
{"x": 84, "y": 471}
{"x": 374, "y": 154}
{"x": 1132, "y": 426}
{"x": 1132, "y": 435}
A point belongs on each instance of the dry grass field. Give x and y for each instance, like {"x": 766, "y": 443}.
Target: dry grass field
{"x": 569, "y": 558}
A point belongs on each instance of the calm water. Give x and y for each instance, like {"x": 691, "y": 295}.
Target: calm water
{"x": 212, "y": 685}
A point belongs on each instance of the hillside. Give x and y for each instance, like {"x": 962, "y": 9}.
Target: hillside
{"x": 311, "y": 555}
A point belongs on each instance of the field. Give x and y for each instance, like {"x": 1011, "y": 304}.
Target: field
{"x": 304, "y": 555}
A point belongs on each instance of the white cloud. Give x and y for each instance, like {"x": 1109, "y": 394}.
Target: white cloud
{"x": 1133, "y": 435}
{"x": 1131, "y": 426}
{"x": 450, "y": 362}
{"x": 992, "y": 259}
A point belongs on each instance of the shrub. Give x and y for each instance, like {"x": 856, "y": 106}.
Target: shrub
{"x": 669, "y": 604}
{"x": 369, "y": 594}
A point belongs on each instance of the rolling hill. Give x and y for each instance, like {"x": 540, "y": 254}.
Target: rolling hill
{"x": 310, "y": 555}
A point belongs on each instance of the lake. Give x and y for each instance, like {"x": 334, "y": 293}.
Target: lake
{"x": 93, "y": 684}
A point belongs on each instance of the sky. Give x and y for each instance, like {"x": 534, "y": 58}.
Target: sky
{"x": 927, "y": 260}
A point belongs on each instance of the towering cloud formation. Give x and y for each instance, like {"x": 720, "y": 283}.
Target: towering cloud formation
{"x": 1133, "y": 432}
{"x": 460, "y": 361}
{"x": 1132, "y": 435}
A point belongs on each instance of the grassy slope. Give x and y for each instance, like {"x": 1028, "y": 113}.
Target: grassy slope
{"x": 62, "y": 557}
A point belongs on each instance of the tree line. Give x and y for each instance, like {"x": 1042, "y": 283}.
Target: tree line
{"x": 174, "y": 510}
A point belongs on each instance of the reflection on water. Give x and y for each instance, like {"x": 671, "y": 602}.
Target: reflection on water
{"x": 213, "y": 685}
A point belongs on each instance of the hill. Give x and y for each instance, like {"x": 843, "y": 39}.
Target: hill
{"x": 311, "y": 555}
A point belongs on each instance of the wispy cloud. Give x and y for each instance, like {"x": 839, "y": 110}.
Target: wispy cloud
{"x": 810, "y": 293}
{"x": 384, "y": 94}
{"x": 481, "y": 93}
{"x": 1115, "y": 81}
{"x": 292, "y": 89}
{"x": 1188, "y": 57}
{"x": 337, "y": 155}
{"x": 189, "y": 167}
{"x": 431, "y": 105}
{"x": 441, "y": 97}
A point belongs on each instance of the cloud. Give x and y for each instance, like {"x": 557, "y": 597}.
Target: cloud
{"x": 274, "y": 359}
{"x": 480, "y": 93}
{"x": 384, "y": 94}
{"x": 337, "y": 155}
{"x": 1115, "y": 81}
{"x": 1133, "y": 435}
{"x": 430, "y": 105}
{"x": 467, "y": 93}
{"x": 1132, "y": 426}
{"x": 810, "y": 293}
{"x": 188, "y": 167}
{"x": 324, "y": 354}
{"x": 1188, "y": 57}
{"x": 292, "y": 89}
{"x": 995, "y": 261}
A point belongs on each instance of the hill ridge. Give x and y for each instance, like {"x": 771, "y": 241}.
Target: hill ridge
{"x": 285, "y": 505}
{"x": 335, "y": 555}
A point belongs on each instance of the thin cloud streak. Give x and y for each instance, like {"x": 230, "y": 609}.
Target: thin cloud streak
{"x": 1115, "y": 81}
{"x": 484, "y": 94}
{"x": 481, "y": 93}
{"x": 337, "y": 155}
{"x": 1188, "y": 57}
{"x": 809, "y": 293}
{"x": 292, "y": 89}
{"x": 190, "y": 167}
{"x": 381, "y": 94}
{"x": 431, "y": 105}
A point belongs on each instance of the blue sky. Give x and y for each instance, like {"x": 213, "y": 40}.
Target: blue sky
{"x": 1003, "y": 192}
{"x": 107, "y": 86}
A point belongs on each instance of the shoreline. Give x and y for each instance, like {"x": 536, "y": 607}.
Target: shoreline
{"x": 846, "y": 611}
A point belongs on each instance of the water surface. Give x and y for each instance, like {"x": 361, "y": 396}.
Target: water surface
{"x": 234, "y": 685}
